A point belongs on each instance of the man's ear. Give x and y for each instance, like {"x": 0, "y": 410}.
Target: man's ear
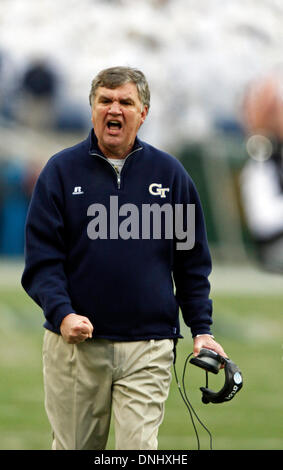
{"x": 144, "y": 114}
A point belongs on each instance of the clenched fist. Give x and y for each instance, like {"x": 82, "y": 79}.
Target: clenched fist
{"x": 76, "y": 328}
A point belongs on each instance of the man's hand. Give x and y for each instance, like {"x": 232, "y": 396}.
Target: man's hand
{"x": 207, "y": 341}
{"x": 76, "y": 328}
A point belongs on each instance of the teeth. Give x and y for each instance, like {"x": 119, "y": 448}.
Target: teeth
{"x": 114, "y": 123}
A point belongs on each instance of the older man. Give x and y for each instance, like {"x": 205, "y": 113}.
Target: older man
{"x": 101, "y": 257}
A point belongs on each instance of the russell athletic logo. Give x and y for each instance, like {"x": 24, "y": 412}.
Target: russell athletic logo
{"x": 77, "y": 190}
{"x": 147, "y": 222}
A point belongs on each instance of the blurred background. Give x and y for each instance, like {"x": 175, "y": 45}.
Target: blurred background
{"x": 215, "y": 71}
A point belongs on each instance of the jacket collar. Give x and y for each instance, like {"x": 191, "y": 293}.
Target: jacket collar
{"x": 94, "y": 148}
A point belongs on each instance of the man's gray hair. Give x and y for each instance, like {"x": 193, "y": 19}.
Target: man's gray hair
{"x": 116, "y": 76}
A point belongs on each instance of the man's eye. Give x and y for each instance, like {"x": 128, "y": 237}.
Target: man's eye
{"x": 104, "y": 100}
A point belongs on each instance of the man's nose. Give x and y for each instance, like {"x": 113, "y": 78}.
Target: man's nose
{"x": 115, "y": 108}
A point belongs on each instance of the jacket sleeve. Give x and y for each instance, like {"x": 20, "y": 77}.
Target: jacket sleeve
{"x": 44, "y": 277}
{"x": 192, "y": 265}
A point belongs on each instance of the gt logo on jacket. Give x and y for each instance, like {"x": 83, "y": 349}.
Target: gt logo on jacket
{"x": 156, "y": 190}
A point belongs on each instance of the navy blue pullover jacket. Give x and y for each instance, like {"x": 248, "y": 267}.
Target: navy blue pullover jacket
{"x": 124, "y": 286}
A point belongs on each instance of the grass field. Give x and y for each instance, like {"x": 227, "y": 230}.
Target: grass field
{"x": 248, "y": 321}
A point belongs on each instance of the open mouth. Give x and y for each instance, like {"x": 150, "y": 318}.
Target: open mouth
{"x": 114, "y": 125}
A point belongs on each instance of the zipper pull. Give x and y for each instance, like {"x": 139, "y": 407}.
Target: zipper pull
{"x": 118, "y": 180}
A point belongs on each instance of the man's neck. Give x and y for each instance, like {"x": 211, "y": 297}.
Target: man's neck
{"x": 118, "y": 155}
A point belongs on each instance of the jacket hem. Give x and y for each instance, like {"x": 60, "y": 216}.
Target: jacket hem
{"x": 110, "y": 337}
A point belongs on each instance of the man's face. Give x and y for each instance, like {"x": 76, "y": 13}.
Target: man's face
{"x": 117, "y": 115}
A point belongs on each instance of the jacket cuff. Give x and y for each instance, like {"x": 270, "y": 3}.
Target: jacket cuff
{"x": 204, "y": 330}
{"x": 61, "y": 312}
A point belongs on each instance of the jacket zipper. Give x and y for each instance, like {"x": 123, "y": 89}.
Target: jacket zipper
{"x": 117, "y": 174}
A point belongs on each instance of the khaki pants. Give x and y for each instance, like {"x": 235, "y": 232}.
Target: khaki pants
{"x": 84, "y": 382}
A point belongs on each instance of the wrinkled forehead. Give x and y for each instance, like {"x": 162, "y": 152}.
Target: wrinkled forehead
{"x": 127, "y": 90}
